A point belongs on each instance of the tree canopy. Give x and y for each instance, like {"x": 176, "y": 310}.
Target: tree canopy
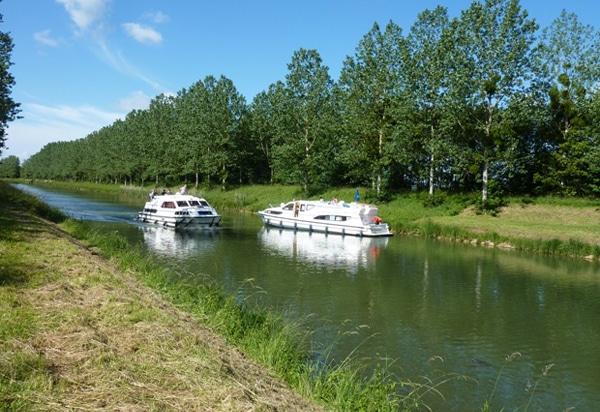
{"x": 476, "y": 102}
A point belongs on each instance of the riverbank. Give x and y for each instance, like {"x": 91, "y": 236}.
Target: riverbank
{"x": 88, "y": 322}
{"x": 553, "y": 226}
{"x": 77, "y": 332}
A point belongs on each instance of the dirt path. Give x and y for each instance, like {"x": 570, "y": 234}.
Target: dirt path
{"x": 99, "y": 340}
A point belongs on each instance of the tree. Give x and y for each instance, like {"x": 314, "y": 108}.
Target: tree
{"x": 221, "y": 118}
{"x": 9, "y": 110}
{"x": 267, "y": 122}
{"x": 429, "y": 57}
{"x": 302, "y": 149}
{"x": 10, "y": 167}
{"x": 493, "y": 43}
{"x": 568, "y": 65}
{"x": 371, "y": 88}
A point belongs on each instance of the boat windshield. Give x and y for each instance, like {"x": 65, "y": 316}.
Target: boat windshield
{"x": 182, "y": 203}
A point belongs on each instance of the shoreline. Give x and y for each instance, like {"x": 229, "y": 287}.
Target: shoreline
{"x": 78, "y": 332}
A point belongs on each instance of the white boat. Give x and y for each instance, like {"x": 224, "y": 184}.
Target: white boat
{"x": 179, "y": 212}
{"x": 353, "y": 219}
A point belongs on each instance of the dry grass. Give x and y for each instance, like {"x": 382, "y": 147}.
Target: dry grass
{"x": 98, "y": 340}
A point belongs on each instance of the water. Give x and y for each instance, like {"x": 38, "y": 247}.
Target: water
{"x": 427, "y": 308}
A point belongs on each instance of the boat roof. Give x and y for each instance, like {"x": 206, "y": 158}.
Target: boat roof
{"x": 326, "y": 203}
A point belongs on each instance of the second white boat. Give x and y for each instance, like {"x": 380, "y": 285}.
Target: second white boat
{"x": 353, "y": 219}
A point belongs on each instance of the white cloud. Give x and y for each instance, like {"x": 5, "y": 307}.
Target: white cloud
{"x": 46, "y": 124}
{"x": 85, "y": 12}
{"x": 119, "y": 63}
{"x": 158, "y": 17}
{"x": 143, "y": 34}
{"x": 85, "y": 116}
{"x": 137, "y": 100}
{"x": 44, "y": 38}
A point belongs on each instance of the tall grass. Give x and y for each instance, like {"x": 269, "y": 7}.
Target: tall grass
{"x": 266, "y": 336}
{"x": 530, "y": 387}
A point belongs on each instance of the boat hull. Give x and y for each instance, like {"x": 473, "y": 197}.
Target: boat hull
{"x": 177, "y": 222}
{"x": 329, "y": 227}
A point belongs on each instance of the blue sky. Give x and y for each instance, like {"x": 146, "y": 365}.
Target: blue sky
{"x": 81, "y": 64}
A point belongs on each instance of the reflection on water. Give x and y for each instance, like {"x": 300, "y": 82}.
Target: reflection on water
{"x": 329, "y": 252}
{"x": 176, "y": 243}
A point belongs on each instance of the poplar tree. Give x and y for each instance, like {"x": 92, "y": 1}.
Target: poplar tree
{"x": 429, "y": 56}
{"x": 9, "y": 110}
{"x": 372, "y": 89}
{"x": 491, "y": 66}
{"x": 568, "y": 65}
{"x": 303, "y": 148}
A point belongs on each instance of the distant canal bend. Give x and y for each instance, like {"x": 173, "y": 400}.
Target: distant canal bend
{"x": 434, "y": 308}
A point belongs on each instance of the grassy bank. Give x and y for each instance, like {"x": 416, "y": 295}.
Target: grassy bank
{"x": 556, "y": 226}
{"x": 88, "y": 323}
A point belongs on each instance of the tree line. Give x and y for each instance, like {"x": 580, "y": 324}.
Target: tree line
{"x": 483, "y": 101}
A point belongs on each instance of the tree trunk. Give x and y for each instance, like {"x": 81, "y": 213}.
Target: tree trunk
{"x": 484, "y": 178}
{"x": 380, "y": 155}
{"x": 431, "y": 169}
{"x": 432, "y": 163}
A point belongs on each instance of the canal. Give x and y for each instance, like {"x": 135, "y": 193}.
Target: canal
{"x": 428, "y": 309}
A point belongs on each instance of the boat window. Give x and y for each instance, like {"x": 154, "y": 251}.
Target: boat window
{"x": 332, "y": 217}
{"x": 289, "y": 206}
{"x": 194, "y": 203}
{"x": 182, "y": 203}
{"x": 168, "y": 205}
{"x": 204, "y": 203}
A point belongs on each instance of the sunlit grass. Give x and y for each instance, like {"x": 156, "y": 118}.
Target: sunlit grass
{"x": 263, "y": 334}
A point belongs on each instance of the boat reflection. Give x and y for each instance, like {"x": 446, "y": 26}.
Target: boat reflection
{"x": 169, "y": 242}
{"x": 327, "y": 251}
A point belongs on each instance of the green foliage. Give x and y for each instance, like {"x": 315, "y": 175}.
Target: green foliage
{"x": 446, "y": 106}
{"x": 10, "y": 167}
{"x": 9, "y": 109}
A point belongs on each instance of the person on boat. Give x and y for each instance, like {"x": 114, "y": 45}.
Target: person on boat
{"x": 334, "y": 200}
{"x": 296, "y": 209}
{"x": 183, "y": 190}
{"x": 152, "y": 194}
